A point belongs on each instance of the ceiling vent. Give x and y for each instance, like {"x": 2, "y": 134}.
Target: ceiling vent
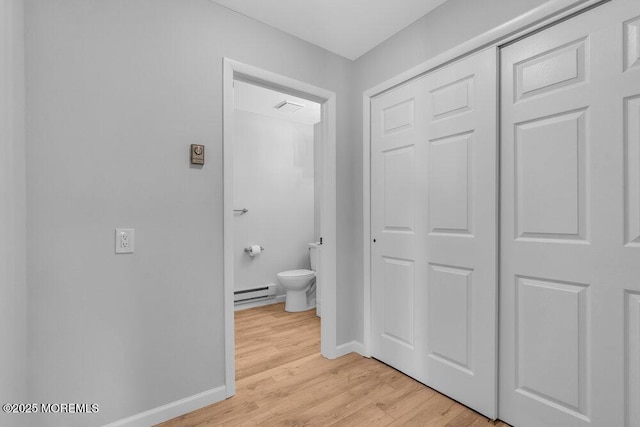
{"x": 288, "y": 106}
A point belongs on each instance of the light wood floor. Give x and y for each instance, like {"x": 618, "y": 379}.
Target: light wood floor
{"x": 281, "y": 379}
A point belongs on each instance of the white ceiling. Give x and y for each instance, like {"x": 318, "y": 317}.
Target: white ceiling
{"x": 349, "y": 28}
{"x": 261, "y": 100}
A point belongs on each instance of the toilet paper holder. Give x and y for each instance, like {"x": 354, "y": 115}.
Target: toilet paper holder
{"x": 248, "y": 250}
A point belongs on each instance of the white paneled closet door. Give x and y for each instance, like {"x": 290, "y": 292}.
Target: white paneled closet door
{"x": 397, "y": 167}
{"x": 434, "y": 221}
{"x": 570, "y": 223}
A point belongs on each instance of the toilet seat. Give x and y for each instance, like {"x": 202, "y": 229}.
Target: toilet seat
{"x": 298, "y": 273}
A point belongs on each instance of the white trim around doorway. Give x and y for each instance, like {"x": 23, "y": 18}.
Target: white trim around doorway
{"x": 327, "y": 274}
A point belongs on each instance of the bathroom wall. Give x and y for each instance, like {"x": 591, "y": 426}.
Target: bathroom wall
{"x": 13, "y": 290}
{"x": 273, "y": 179}
{"x": 116, "y": 92}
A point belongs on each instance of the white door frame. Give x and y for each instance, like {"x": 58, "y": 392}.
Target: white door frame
{"x": 540, "y": 17}
{"x": 327, "y": 99}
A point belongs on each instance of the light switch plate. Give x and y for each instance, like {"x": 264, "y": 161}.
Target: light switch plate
{"x": 124, "y": 240}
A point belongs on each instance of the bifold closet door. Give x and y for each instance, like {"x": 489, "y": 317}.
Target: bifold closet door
{"x": 570, "y": 223}
{"x": 434, "y": 221}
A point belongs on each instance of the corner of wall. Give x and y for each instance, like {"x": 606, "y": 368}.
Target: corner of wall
{"x": 13, "y": 310}
{"x": 351, "y": 347}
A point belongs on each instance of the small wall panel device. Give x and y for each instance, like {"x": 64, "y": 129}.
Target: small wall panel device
{"x": 197, "y": 154}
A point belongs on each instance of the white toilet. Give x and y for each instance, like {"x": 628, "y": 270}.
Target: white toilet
{"x": 300, "y": 284}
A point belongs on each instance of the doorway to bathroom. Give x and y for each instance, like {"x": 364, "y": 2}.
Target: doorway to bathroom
{"x": 276, "y": 198}
{"x": 279, "y": 204}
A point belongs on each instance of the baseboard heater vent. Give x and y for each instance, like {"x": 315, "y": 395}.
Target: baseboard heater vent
{"x": 254, "y": 294}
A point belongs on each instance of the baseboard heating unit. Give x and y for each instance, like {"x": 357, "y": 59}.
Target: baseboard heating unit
{"x": 254, "y": 294}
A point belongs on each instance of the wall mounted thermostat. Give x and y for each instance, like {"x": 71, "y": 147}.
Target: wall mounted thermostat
{"x": 197, "y": 154}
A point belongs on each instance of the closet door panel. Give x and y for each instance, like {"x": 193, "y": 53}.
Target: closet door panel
{"x": 569, "y": 270}
{"x": 461, "y": 242}
{"x": 433, "y": 193}
{"x": 396, "y": 268}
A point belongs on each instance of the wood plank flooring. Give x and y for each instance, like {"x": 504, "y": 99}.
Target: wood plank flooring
{"x": 282, "y": 380}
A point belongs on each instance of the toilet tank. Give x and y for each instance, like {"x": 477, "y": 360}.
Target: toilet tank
{"x": 313, "y": 255}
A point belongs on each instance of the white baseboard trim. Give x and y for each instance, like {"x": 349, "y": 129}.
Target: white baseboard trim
{"x": 174, "y": 409}
{"x": 350, "y": 347}
{"x": 276, "y": 300}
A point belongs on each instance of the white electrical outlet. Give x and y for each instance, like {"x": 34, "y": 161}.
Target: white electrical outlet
{"x": 124, "y": 240}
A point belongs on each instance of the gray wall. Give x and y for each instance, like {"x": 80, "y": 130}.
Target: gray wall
{"x": 116, "y": 92}
{"x": 451, "y": 24}
{"x": 13, "y": 344}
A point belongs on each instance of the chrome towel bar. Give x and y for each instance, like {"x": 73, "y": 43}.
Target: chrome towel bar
{"x": 241, "y": 211}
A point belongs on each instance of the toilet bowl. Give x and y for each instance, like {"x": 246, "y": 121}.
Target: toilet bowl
{"x": 300, "y": 285}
